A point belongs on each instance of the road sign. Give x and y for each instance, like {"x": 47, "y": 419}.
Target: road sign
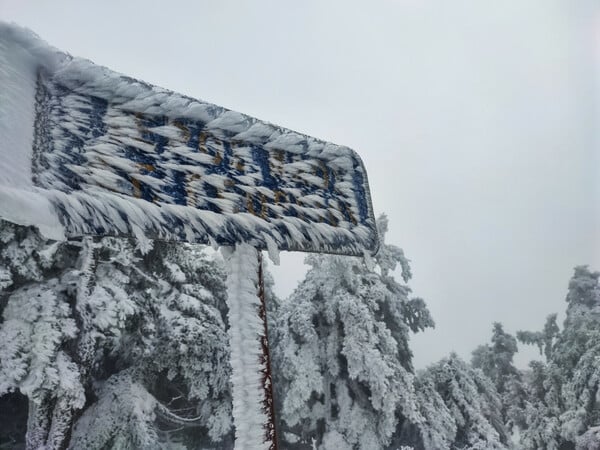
{"x": 116, "y": 156}
{"x": 87, "y": 151}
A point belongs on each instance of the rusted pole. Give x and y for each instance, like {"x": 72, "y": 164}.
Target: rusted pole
{"x": 267, "y": 379}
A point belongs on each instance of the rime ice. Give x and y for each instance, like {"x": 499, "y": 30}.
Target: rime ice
{"x": 87, "y": 151}
{"x": 245, "y": 330}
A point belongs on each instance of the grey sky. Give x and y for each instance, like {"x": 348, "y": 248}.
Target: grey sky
{"x": 476, "y": 121}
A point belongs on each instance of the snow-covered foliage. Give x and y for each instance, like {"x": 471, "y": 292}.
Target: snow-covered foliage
{"x": 582, "y": 392}
{"x": 87, "y": 322}
{"x": 563, "y": 399}
{"x": 106, "y": 346}
{"x": 437, "y": 427}
{"x": 341, "y": 357}
{"x": 107, "y": 343}
{"x": 544, "y": 339}
{"x": 496, "y": 362}
{"x": 122, "y": 418}
{"x": 590, "y": 440}
{"x": 461, "y": 407}
{"x": 37, "y": 324}
{"x": 543, "y": 409}
{"x": 576, "y": 355}
{"x": 174, "y": 346}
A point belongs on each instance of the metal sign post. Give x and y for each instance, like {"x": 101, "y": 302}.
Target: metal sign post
{"x": 266, "y": 372}
{"x": 97, "y": 153}
{"x": 253, "y": 408}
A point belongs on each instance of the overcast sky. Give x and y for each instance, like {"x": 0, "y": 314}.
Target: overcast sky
{"x": 476, "y": 120}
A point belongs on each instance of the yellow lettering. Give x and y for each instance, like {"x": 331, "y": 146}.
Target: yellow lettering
{"x": 184, "y": 129}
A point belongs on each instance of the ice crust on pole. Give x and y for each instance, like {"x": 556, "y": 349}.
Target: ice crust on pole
{"x": 245, "y": 331}
{"x": 87, "y": 151}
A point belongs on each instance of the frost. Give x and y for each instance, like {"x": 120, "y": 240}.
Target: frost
{"x": 335, "y": 441}
{"x": 5, "y": 278}
{"x": 341, "y": 353}
{"x": 122, "y": 418}
{"x": 98, "y": 313}
{"x": 562, "y": 400}
{"x": 463, "y": 409}
{"x": 19, "y": 202}
{"x": 176, "y": 274}
{"x": 18, "y": 73}
{"x": 496, "y": 362}
{"x": 104, "y": 154}
{"x": 590, "y": 440}
{"x": 245, "y": 330}
{"x": 36, "y": 321}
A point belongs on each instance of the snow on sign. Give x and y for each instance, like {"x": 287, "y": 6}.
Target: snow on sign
{"x": 87, "y": 151}
{"x": 110, "y": 155}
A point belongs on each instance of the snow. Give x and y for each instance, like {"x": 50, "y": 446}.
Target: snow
{"x": 272, "y": 250}
{"x": 590, "y": 440}
{"x": 25, "y": 207}
{"x": 17, "y": 100}
{"x": 18, "y": 202}
{"x": 245, "y": 331}
{"x": 69, "y": 306}
{"x": 91, "y": 151}
{"x": 340, "y": 353}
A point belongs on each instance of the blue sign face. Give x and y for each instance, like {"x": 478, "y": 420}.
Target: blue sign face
{"x": 115, "y": 156}
{"x": 172, "y": 169}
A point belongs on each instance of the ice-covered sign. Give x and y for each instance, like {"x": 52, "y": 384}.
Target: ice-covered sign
{"x": 87, "y": 151}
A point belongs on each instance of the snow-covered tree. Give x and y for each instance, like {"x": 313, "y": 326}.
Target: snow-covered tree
{"x": 461, "y": 408}
{"x": 590, "y": 440}
{"x": 563, "y": 400}
{"x": 543, "y": 407}
{"x": 343, "y": 367}
{"x": 577, "y": 354}
{"x": 582, "y": 321}
{"x": 87, "y": 321}
{"x": 544, "y": 339}
{"x": 436, "y": 427}
{"x": 37, "y": 329}
{"x": 496, "y": 361}
{"x": 581, "y": 393}
{"x": 123, "y": 417}
{"x": 174, "y": 345}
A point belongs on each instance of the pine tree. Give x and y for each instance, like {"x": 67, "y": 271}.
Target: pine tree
{"x": 37, "y": 333}
{"x": 171, "y": 355}
{"x": 563, "y": 401}
{"x": 544, "y": 339}
{"x": 496, "y": 362}
{"x": 577, "y": 354}
{"x": 345, "y": 373}
{"x": 85, "y": 321}
{"x": 543, "y": 408}
{"x": 461, "y": 407}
